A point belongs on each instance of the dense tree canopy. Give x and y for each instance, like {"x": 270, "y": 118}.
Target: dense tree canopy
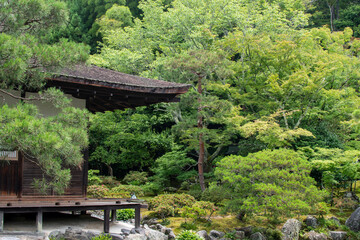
{"x": 26, "y": 56}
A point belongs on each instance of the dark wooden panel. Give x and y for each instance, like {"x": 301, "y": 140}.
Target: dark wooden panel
{"x": 9, "y": 178}
{"x": 31, "y": 171}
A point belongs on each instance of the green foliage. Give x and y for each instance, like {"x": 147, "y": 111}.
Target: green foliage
{"x": 125, "y": 214}
{"x": 93, "y": 178}
{"x": 199, "y": 210}
{"x": 97, "y": 191}
{"x": 136, "y": 178}
{"x": 55, "y": 142}
{"x": 173, "y": 168}
{"x": 102, "y": 237}
{"x": 166, "y": 205}
{"x": 126, "y": 139}
{"x": 127, "y": 190}
{"x": 336, "y": 169}
{"x": 188, "y": 226}
{"x": 273, "y": 183}
{"x": 188, "y": 235}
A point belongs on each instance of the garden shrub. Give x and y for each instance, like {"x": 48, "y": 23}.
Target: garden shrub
{"x": 274, "y": 183}
{"x": 109, "y": 181}
{"x": 97, "y": 191}
{"x": 151, "y": 188}
{"x": 188, "y": 226}
{"x": 166, "y": 205}
{"x": 102, "y": 237}
{"x": 126, "y": 190}
{"x": 198, "y": 210}
{"x": 135, "y": 178}
{"x": 93, "y": 179}
{"x": 125, "y": 214}
{"x": 188, "y": 235}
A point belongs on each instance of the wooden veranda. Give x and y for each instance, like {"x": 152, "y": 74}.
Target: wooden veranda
{"x": 42, "y": 205}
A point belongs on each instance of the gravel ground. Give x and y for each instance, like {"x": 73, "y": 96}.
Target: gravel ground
{"x": 23, "y": 226}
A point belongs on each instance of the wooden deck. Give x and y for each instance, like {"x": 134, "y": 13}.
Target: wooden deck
{"x": 40, "y": 205}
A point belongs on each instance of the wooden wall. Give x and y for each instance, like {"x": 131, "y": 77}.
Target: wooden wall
{"x": 16, "y": 178}
{"x": 9, "y": 178}
{"x": 31, "y": 171}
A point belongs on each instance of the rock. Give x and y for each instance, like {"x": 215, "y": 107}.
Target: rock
{"x": 216, "y": 234}
{"x": 132, "y": 231}
{"x": 239, "y": 235}
{"x": 353, "y": 222}
{"x": 203, "y": 234}
{"x": 171, "y": 235}
{"x": 311, "y": 221}
{"x": 139, "y": 230}
{"x": 257, "y": 236}
{"x": 337, "y": 235}
{"x": 312, "y": 235}
{"x": 136, "y": 237}
{"x": 56, "y": 235}
{"x": 116, "y": 236}
{"x": 247, "y": 230}
{"x": 155, "y": 235}
{"x": 167, "y": 231}
{"x": 125, "y": 231}
{"x": 291, "y": 230}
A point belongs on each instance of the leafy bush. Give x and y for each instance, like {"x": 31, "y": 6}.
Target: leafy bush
{"x": 200, "y": 209}
{"x": 97, "y": 191}
{"x": 102, "y": 237}
{"x": 271, "y": 182}
{"x": 188, "y": 235}
{"x": 151, "y": 188}
{"x": 166, "y": 205}
{"x": 135, "y": 178}
{"x": 93, "y": 179}
{"x": 126, "y": 190}
{"x": 125, "y": 214}
{"x": 188, "y": 226}
{"x": 109, "y": 181}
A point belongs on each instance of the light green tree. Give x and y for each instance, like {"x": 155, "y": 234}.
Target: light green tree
{"x": 273, "y": 183}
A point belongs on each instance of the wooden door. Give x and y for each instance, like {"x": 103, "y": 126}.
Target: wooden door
{"x": 10, "y": 179}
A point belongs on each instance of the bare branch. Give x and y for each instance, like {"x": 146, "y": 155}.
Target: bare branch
{"x": 20, "y": 98}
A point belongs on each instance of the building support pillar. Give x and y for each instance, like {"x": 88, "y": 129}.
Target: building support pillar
{"x": 1, "y": 221}
{"x": 106, "y": 220}
{"x": 137, "y": 216}
{"x": 39, "y": 221}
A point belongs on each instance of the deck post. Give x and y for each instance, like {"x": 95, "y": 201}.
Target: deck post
{"x": 1, "y": 221}
{"x": 106, "y": 220}
{"x": 113, "y": 215}
{"x": 39, "y": 221}
{"x": 137, "y": 216}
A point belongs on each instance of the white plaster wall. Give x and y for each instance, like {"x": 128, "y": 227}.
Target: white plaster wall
{"x": 45, "y": 108}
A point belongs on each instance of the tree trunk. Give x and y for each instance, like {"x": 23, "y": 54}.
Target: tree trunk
{"x": 111, "y": 172}
{"x": 201, "y": 159}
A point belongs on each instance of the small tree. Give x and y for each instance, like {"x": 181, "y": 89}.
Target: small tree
{"x": 273, "y": 183}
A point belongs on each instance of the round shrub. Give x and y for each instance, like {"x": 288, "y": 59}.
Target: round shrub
{"x": 166, "y": 205}
{"x": 188, "y": 235}
{"x": 126, "y": 190}
{"x": 125, "y": 214}
{"x": 135, "y": 178}
{"x": 97, "y": 191}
